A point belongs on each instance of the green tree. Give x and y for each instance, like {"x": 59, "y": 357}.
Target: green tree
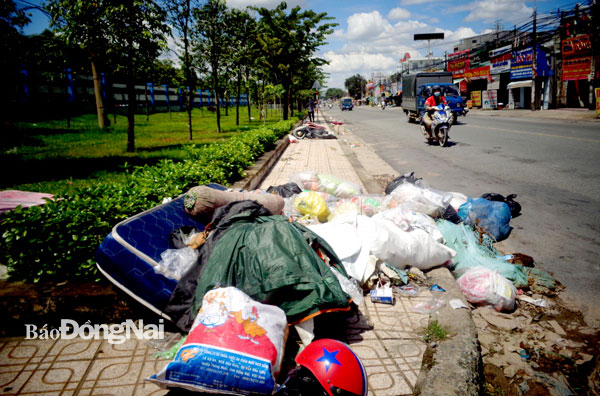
{"x": 334, "y": 93}
{"x": 131, "y": 31}
{"x": 243, "y": 51}
{"x": 181, "y": 18}
{"x": 356, "y": 86}
{"x": 288, "y": 41}
{"x": 212, "y": 42}
{"x": 84, "y": 24}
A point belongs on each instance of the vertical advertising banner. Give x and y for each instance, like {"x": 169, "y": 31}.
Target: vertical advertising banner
{"x": 520, "y": 64}
{"x": 458, "y": 63}
{"x": 476, "y": 98}
{"x": 597, "y": 90}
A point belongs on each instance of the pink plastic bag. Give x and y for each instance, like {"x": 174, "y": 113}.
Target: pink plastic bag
{"x": 481, "y": 285}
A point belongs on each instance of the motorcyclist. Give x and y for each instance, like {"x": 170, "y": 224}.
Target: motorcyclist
{"x": 431, "y": 105}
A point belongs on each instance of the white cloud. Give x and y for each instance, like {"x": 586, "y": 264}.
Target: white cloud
{"x": 366, "y": 25}
{"x": 492, "y": 10}
{"x": 398, "y": 13}
{"x": 358, "y": 61}
{"x": 263, "y": 3}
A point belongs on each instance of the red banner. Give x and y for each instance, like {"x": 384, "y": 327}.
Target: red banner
{"x": 459, "y": 62}
{"x": 576, "y": 46}
{"x": 576, "y": 68}
{"x": 483, "y": 71}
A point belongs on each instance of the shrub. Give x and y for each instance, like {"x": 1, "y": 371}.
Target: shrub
{"x": 57, "y": 241}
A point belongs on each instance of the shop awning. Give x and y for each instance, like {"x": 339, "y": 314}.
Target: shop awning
{"x": 519, "y": 84}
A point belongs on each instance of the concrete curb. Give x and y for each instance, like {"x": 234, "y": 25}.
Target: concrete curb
{"x": 453, "y": 367}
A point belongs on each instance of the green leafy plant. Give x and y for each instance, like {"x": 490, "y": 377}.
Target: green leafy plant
{"x": 435, "y": 332}
{"x": 57, "y": 241}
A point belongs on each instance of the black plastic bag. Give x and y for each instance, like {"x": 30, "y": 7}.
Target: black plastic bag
{"x": 406, "y": 178}
{"x": 451, "y": 215}
{"x": 515, "y": 207}
{"x": 285, "y": 190}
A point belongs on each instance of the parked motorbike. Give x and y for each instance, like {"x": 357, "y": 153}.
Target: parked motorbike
{"x": 440, "y": 127}
{"x": 310, "y": 130}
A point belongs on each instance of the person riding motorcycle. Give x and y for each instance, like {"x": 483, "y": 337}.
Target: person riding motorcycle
{"x": 431, "y": 105}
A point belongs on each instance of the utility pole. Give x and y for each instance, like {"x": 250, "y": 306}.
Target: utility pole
{"x": 534, "y": 90}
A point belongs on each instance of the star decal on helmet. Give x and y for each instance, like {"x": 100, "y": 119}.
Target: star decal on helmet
{"x": 329, "y": 358}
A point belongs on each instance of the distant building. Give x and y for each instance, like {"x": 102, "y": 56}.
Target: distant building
{"x": 476, "y": 41}
{"x": 416, "y": 65}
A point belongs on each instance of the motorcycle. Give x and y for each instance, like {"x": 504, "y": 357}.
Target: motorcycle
{"x": 440, "y": 127}
{"x": 310, "y": 130}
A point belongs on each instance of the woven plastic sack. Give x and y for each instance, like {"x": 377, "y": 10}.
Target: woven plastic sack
{"x": 481, "y": 285}
{"x": 470, "y": 253}
{"x": 494, "y": 217}
{"x": 234, "y": 347}
{"x": 312, "y": 204}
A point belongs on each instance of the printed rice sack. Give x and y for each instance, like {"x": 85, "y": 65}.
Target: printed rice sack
{"x": 235, "y": 346}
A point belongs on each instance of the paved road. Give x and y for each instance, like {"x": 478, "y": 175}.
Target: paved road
{"x": 553, "y": 166}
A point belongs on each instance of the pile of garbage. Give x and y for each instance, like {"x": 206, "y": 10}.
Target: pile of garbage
{"x": 269, "y": 259}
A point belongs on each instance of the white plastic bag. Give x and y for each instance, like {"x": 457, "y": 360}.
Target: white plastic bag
{"x": 346, "y": 243}
{"x": 409, "y": 220}
{"x": 425, "y": 200}
{"x": 235, "y": 346}
{"x": 384, "y": 240}
{"x": 457, "y": 200}
{"x": 401, "y": 249}
{"x": 481, "y": 285}
{"x": 175, "y": 262}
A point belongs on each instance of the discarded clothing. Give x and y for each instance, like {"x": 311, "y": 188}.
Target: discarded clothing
{"x": 271, "y": 259}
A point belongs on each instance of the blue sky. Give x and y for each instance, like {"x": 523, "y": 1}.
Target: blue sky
{"x": 373, "y": 35}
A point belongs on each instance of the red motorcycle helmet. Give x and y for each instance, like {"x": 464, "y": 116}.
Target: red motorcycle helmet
{"x": 338, "y": 369}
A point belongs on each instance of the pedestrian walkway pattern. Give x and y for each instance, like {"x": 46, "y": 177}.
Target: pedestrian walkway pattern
{"x": 77, "y": 367}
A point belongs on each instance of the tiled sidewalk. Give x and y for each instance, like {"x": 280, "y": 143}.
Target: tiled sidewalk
{"x": 76, "y": 367}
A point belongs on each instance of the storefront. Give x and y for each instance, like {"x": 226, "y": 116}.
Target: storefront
{"x": 576, "y": 71}
{"x": 522, "y": 78}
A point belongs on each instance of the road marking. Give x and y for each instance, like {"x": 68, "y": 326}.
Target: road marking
{"x": 544, "y": 134}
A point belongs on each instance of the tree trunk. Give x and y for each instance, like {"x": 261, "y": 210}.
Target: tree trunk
{"x": 239, "y": 89}
{"x": 186, "y": 65}
{"x": 131, "y": 104}
{"x": 248, "y": 92}
{"x": 216, "y": 89}
{"x": 286, "y": 102}
{"x": 98, "y": 95}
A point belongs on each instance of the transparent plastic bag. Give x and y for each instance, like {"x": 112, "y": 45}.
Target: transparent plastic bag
{"x": 350, "y": 286}
{"x": 307, "y": 180}
{"x": 425, "y": 200}
{"x": 175, "y": 262}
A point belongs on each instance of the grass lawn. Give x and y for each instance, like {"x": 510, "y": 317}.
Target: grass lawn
{"x": 49, "y": 157}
